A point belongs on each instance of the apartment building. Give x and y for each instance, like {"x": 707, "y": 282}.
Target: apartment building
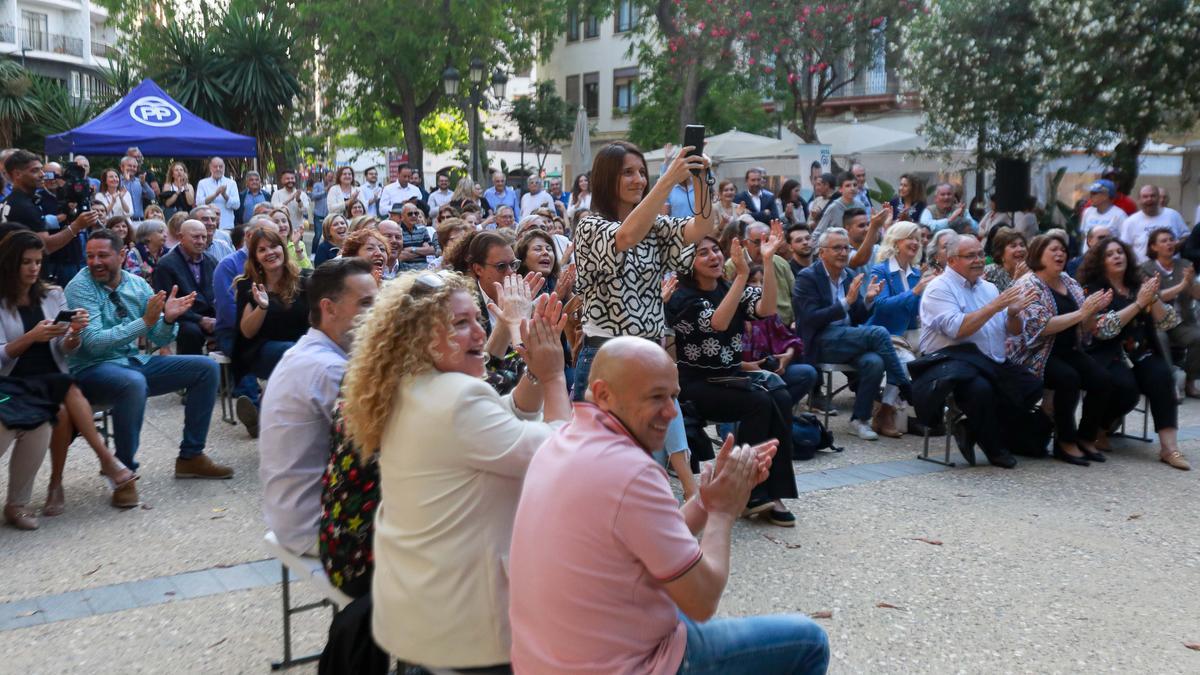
{"x": 65, "y": 40}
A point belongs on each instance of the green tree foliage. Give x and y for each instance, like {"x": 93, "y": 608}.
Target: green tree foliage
{"x": 731, "y": 101}
{"x": 390, "y": 55}
{"x": 544, "y": 119}
{"x": 18, "y": 102}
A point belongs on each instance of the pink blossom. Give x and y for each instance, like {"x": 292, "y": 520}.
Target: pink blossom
{"x": 752, "y": 61}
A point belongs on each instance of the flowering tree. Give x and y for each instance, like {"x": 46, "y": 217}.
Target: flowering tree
{"x": 1128, "y": 68}
{"x": 813, "y": 50}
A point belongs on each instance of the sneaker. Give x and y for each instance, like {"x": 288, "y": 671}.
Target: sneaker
{"x": 781, "y": 518}
{"x": 126, "y": 496}
{"x": 247, "y": 414}
{"x": 200, "y": 466}
{"x": 757, "y": 506}
{"x": 863, "y": 430}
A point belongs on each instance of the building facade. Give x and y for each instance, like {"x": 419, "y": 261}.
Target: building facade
{"x": 64, "y": 40}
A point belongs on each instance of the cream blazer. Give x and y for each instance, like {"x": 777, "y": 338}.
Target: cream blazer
{"x": 452, "y": 460}
{"x": 11, "y": 329}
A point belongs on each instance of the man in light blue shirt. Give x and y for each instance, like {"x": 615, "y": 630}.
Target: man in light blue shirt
{"x": 501, "y": 195}
{"x": 111, "y": 370}
{"x": 297, "y": 409}
{"x": 682, "y": 200}
{"x": 135, "y": 185}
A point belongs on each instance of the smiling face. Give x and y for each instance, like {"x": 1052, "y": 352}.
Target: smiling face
{"x": 443, "y": 182}
{"x": 1148, "y": 200}
{"x": 835, "y": 252}
{"x": 372, "y": 175}
{"x": 504, "y": 217}
{"x": 357, "y": 209}
{"x": 728, "y": 192}
{"x": 391, "y": 231}
{"x": 269, "y": 256}
{"x": 539, "y": 256}
{"x": 498, "y": 182}
{"x": 637, "y": 384}
{"x": 111, "y": 180}
{"x": 461, "y": 348}
{"x": 1054, "y": 258}
{"x": 909, "y": 248}
{"x": 121, "y": 228}
{"x": 216, "y": 168}
{"x": 709, "y": 262}
{"x": 374, "y": 252}
{"x": 338, "y": 228}
{"x": 633, "y": 180}
{"x": 967, "y": 258}
{"x": 800, "y": 241}
{"x": 1114, "y": 260}
{"x": 1015, "y": 252}
{"x": 104, "y": 263}
{"x": 944, "y": 197}
{"x": 754, "y": 181}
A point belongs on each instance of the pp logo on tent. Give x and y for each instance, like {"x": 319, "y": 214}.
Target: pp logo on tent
{"x": 155, "y": 111}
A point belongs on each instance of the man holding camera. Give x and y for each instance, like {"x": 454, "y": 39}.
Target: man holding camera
{"x": 25, "y": 172}
{"x": 62, "y": 265}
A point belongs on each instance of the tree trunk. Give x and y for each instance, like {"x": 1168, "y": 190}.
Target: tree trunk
{"x": 690, "y": 97}
{"x": 1125, "y": 159}
{"x": 980, "y": 151}
{"x": 412, "y": 136}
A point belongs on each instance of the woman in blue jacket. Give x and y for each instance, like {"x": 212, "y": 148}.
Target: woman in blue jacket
{"x": 896, "y": 306}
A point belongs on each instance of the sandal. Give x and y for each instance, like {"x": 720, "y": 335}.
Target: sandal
{"x": 55, "y": 501}
{"x": 115, "y": 484}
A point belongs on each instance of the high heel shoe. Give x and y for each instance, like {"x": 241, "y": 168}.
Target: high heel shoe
{"x": 19, "y": 518}
{"x": 1062, "y": 456}
{"x": 55, "y": 501}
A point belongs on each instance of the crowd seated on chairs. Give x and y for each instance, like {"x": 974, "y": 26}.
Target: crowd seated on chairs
{"x": 407, "y": 396}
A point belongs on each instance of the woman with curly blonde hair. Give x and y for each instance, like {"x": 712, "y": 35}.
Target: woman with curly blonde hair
{"x": 452, "y": 456}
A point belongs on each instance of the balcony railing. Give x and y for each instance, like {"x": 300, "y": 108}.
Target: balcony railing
{"x": 8, "y": 33}
{"x": 51, "y": 42}
{"x": 873, "y": 82}
{"x": 103, "y": 49}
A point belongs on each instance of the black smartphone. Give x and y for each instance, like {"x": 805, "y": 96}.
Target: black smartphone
{"x": 64, "y": 316}
{"x": 693, "y": 135}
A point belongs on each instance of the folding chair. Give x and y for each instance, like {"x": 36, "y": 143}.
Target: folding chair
{"x": 309, "y": 569}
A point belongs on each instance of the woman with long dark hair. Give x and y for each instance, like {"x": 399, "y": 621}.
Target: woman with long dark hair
{"x": 795, "y": 209}
{"x": 909, "y": 202}
{"x": 709, "y": 316}
{"x": 581, "y": 195}
{"x": 1126, "y": 334}
{"x": 272, "y": 306}
{"x": 33, "y": 351}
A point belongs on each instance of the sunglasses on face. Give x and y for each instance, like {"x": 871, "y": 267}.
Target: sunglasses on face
{"x": 510, "y": 266}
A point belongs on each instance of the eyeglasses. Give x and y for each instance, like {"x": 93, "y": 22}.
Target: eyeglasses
{"x": 840, "y": 248}
{"x": 511, "y": 265}
{"x": 974, "y": 255}
{"x": 115, "y": 299}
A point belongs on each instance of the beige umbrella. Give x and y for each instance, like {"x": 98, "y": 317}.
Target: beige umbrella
{"x": 581, "y": 144}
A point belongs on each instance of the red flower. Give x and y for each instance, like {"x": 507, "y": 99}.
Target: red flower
{"x": 752, "y": 61}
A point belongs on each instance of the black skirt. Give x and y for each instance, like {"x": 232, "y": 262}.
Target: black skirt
{"x": 29, "y": 402}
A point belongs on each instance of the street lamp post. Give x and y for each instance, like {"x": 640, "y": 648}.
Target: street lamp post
{"x": 476, "y": 98}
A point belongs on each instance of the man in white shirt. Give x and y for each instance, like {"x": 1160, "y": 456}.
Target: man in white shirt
{"x": 220, "y": 192}
{"x": 371, "y": 191}
{"x": 1137, "y": 228}
{"x": 441, "y": 196}
{"x": 536, "y": 198}
{"x": 297, "y": 409}
{"x": 1102, "y": 212}
{"x": 292, "y": 199}
{"x": 860, "y": 176}
{"x": 401, "y": 191}
{"x": 965, "y": 321}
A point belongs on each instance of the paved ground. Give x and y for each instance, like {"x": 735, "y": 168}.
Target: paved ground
{"x": 1045, "y": 569}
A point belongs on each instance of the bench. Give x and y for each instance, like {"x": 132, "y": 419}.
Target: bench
{"x": 305, "y": 568}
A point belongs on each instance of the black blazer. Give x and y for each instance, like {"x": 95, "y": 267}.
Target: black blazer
{"x": 173, "y": 270}
{"x": 812, "y": 300}
{"x": 768, "y": 212}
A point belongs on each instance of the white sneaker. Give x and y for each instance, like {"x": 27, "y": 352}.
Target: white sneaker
{"x": 863, "y": 430}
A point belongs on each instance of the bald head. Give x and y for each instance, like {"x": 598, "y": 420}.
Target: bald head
{"x": 636, "y": 381}
{"x": 193, "y": 238}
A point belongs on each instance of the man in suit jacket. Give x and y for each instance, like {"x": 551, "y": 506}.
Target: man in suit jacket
{"x": 759, "y": 202}
{"x": 188, "y": 267}
{"x": 830, "y": 307}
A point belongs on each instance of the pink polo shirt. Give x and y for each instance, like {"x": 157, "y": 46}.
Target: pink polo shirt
{"x": 597, "y": 532}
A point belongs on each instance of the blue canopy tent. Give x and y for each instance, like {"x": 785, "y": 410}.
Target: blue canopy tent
{"x": 150, "y": 119}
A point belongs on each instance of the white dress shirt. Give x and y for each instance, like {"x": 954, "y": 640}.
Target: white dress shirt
{"x": 949, "y": 298}
{"x": 294, "y": 442}
{"x": 370, "y": 192}
{"x": 393, "y": 193}
{"x": 438, "y": 199}
{"x": 226, "y": 205}
{"x": 531, "y": 202}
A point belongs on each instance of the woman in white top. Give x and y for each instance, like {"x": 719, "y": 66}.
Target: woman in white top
{"x": 452, "y": 456}
{"x": 344, "y": 191}
{"x": 581, "y": 196}
{"x": 113, "y": 196}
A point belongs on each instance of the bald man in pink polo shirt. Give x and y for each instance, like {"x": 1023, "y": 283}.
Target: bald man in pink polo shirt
{"x": 606, "y": 574}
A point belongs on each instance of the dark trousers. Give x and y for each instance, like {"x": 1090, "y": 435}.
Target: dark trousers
{"x": 994, "y": 418}
{"x": 1150, "y": 376}
{"x": 190, "y": 339}
{"x": 1068, "y": 375}
{"x": 761, "y": 415}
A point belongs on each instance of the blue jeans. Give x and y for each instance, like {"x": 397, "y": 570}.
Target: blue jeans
{"x": 248, "y": 385}
{"x": 869, "y": 349}
{"x": 676, "y": 440}
{"x": 799, "y": 378}
{"x": 269, "y": 355}
{"x": 318, "y": 221}
{"x": 126, "y": 386}
{"x": 776, "y": 643}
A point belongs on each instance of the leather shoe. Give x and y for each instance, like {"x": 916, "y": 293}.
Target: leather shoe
{"x": 200, "y": 466}
{"x": 1177, "y": 460}
{"x": 1091, "y": 456}
{"x": 1064, "y": 457}
{"x": 963, "y": 438}
{"x": 1004, "y": 461}
{"x": 126, "y": 496}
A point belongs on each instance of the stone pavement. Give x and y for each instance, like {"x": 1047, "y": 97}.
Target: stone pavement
{"x": 1047, "y": 568}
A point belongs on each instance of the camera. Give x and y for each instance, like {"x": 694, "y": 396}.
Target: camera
{"x": 76, "y": 188}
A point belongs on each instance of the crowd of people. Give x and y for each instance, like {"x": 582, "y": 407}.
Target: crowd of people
{"x": 447, "y": 384}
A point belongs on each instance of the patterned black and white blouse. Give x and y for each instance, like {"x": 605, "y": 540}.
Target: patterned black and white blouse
{"x": 700, "y": 349}
{"x": 622, "y": 290}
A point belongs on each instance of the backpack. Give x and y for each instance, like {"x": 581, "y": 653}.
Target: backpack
{"x": 809, "y": 435}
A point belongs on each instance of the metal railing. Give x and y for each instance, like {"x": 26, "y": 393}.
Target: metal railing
{"x": 8, "y": 33}
{"x": 103, "y": 49}
{"x": 873, "y": 82}
{"x": 51, "y": 42}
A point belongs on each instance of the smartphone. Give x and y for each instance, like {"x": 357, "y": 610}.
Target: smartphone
{"x": 64, "y": 316}
{"x": 693, "y": 135}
